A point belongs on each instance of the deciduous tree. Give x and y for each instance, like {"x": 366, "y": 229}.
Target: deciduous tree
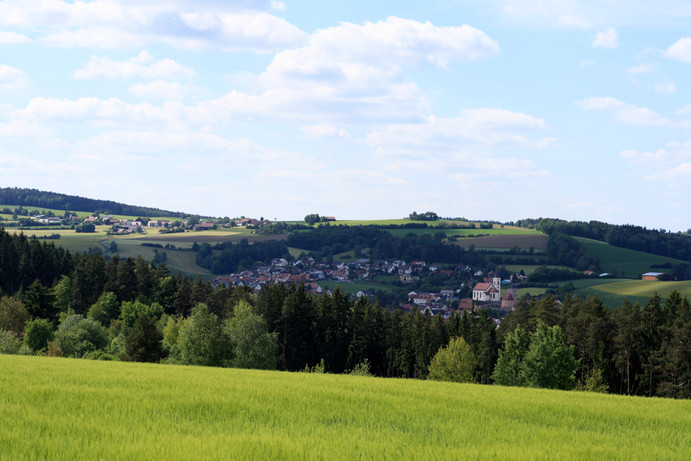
{"x": 455, "y": 362}
{"x": 549, "y": 363}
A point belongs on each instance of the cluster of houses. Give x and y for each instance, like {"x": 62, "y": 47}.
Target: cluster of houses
{"x": 306, "y": 271}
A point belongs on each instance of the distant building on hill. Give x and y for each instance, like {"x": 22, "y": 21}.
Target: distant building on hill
{"x": 654, "y": 276}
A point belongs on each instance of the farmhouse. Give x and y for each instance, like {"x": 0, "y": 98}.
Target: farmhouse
{"x": 656, "y": 276}
{"x": 488, "y": 292}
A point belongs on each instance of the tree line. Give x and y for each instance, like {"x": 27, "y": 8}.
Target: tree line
{"x": 37, "y": 198}
{"x": 135, "y": 310}
{"x": 654, "y": 241}
{"x": 228, "y": 257}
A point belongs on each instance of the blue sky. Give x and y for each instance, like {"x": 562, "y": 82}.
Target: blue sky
{"x": 493, "y": 109}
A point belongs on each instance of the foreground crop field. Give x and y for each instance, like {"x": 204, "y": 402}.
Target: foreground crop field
{"x": 77, "y": 409}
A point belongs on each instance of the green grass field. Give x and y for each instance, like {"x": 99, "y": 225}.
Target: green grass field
{"x": 352, "y": 288}
{"x": 529, "y": 269}
{"x": 623, "y": 262}
{"x": 66, "y": 409}
{"x": 646, "y": 288}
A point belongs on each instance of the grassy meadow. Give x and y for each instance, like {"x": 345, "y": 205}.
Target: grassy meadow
{"x": 78, "y": 409}
{"x": 613, "y": 292}
{"x": 623, "y": 262}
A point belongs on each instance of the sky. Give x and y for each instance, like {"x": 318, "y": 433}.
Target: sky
{"x": 483, "y": 109}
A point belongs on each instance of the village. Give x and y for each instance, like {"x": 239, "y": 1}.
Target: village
{"x": 486, "y": 290}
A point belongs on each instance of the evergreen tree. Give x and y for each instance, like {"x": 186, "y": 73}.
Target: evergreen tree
{"x": 626, "y": 340}
{"x": 144, "y": 344}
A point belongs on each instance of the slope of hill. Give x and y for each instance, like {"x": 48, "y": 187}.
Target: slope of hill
{"x": 78, "y": 409}
{"x": 624, "y": 262}
{"x": 52, "y": 200}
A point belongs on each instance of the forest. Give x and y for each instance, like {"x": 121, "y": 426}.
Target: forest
{"x": 42, "y": 199}
{"x": 329, "y": 240}
{"x": 56, "y": 303}
{"x": 227, "y": 257}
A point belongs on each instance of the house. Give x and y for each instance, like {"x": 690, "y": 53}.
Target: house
{"x": 488, "y": 292}
{"x": 509, "y": 300}
{"x": 204, "y": 226}
{"x": 465, "y": 304}
{"x": 656, "y": 276}
{"x": 279, "y": 262}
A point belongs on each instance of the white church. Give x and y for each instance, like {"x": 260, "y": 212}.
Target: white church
{"x": 488, "y": 292}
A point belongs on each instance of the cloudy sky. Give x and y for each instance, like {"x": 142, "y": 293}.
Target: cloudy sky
{"x": 486, "y": 109}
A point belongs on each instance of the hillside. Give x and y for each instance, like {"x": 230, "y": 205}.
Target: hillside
{"x": 51, "y": 200}
{"x": 78, "y": 409}
{"x": 624, "y": 262}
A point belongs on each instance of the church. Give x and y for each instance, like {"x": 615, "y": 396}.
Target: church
{"x": 488, "y": 292}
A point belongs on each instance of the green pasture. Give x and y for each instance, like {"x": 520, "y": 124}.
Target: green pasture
{"x": 612, "y": 292}
{"x": 532, "y": 291}
{"x": 528, "y": 268}
{"x": 177, "y": 259}
{"x": 67, "y": 409}
{"x": 295, "y": 252}
{"x": 352, "y": 288}
{"x": 40, "y": 210}
{"x": 642, "y": 289}
{"x": 623, "y": 262}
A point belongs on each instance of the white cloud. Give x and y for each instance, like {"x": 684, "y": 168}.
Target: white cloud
{"x": 160, "y": 89}
{"x": 324, "y": 131}
{"x": 356, "y": 73}
{"x": 665, "y": 86}
{"x": 644, "y": 68}
{"x": 624, "y": 113}
{"x": 112, "y": 24}
{"x": 24, "y": 129}
{"x": 608, "y": 39}
{"x": 12, "y": 38}
{"x": 588, "y": 14}
{"x": 680, "y": 174}
{"x": 95, "y": 111}
{"x": 141, "y": 66}
{"x": 489, "y": 172}
{"x": 586, "y": 63}
{"x": 633, "y": 156}
{"x": 441, "y": 136}
{"x": 373, "y": 50}
{"x": 680, "y": 50}
{"x": 12, "y": 78}
{"x": 167, "y": 143}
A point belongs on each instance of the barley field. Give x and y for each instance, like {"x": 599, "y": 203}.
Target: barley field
{"x": 55, "y": 408}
